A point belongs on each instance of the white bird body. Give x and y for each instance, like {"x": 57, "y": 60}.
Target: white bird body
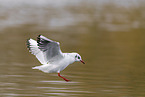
{"x": 57, "y": 66}
{"x": 50, "y": 56}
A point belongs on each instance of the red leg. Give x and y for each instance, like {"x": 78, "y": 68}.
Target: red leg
{"x": 63, "y": 77}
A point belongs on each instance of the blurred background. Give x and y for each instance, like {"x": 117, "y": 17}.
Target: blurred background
{"x": 108, "y": 34}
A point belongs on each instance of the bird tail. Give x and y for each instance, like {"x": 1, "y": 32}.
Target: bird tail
{"x": 44, "y": 68}
{"x": 36, "y": 67}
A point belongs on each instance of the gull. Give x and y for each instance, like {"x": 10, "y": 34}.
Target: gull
{"x": 49, "y": 54}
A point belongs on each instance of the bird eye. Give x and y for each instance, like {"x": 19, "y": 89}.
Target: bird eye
{"x": 78, "y": 57}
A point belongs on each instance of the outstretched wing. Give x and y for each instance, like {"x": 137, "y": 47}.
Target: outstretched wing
{"x": 32, "y": 45}
{"x": 50, "y": 49}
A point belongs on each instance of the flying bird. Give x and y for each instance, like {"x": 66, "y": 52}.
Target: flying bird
{"x": 49, "y": 54}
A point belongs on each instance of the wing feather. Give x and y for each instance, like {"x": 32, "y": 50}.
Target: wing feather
{"x": 49, "y": 48}
{"x": 33, "y": 48}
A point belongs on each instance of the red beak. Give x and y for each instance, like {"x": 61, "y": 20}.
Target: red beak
{"x": 82, "y": 61}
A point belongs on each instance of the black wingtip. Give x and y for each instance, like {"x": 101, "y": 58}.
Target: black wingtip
{"x": 28, "y": 43}
{"x": 39, "y": 35}
{"x": 38, "y": 38}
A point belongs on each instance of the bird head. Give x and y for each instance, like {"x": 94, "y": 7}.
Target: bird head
{"x": 78, "y": 58}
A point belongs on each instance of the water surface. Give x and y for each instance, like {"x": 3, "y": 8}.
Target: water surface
{"x": 113, "y": 49}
